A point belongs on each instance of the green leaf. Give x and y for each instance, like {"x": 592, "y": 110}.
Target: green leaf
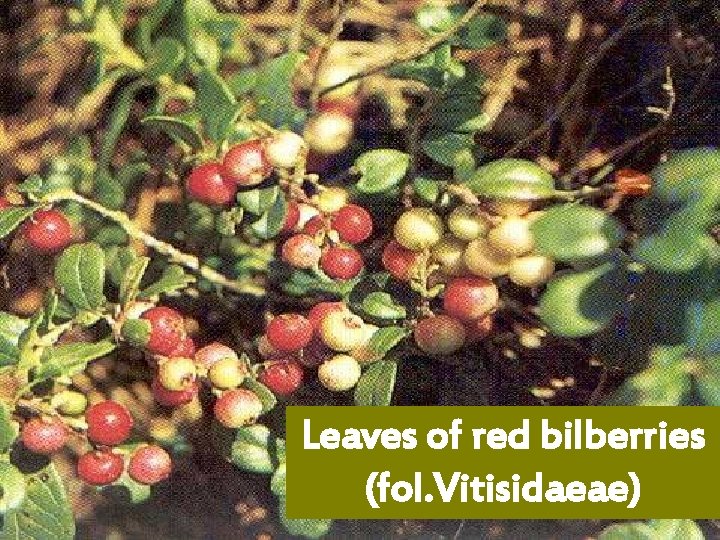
{"x": 686, "y": 174}
{"x": 656, "y": 385}
{"x": 70, "y": 359}
{"x": 571, "y": 233}
{"x": 136, "y": 332}
{"x": 149, "y": 22}
{"x": 8, "y": 429}
{"x": 216, "y": 103}
{"x": 46, "y": 513}
{"x": 444, "y": 146}
{"x": 304, "y": 282}
{"x": 12, "y": 488}
{"x": 384, "y": 340}
{"x": 515, "y": 179}
{"x": 273, "y": 91}
{"x": 130, "y": 285}
{"x": 243, "y": 82}
{"x": 428, "y": 189}
{"x": 435, "y": 69}
{"x": 118, "y": 119}
{"x": 577, "y": 304}
{"x": 118, "y": 259}
{"x": 173, "y": 279}
{"x": 259, "y": 200}
{"x": 277, "y": 482}
{"x": 308, "y": 528}
{"x": 680, "y": 529}
{"x": 375, "y": 387}
{"x": 381, "y": 170}
{"x": 11, "y": 328}
{"x": 178, "y": 130}
{"x": 253, "y": 449}
{"x": 267, "y": 398}
{"x": 676, "y": 252}
{"x": 167, "y": 55}
{"x": 107, "y": 190}
{"x": 459, "y": 113}
{"x": 11, "y": 218}
{"x": 80, "y": 275}
{"x": 272, "y": 221}
{"x": 381, "y": 305}
{"x": 702, "y": 326}
{"x": 628, "y": 531}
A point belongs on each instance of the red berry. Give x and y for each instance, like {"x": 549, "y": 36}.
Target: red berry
{"x": 314, "y": 225}
{"x": 632, "y": 182}
{"x": 185, "y": 349}
{"x": 4, "y": 203}
{"x": 237, "y": 408}
{"x": 479, "y": 328}
{"x": 289, "y": 332}
{"x": 353, "y": 224}
{"x": 207, "y": 185}
{"x": 109, "y": 423}
{"x": 468, "y": 298}
{"x": 399, "y": 260}
{"x": 167, "y": 330}
{"x": 48, "y": 231}
{"x": 440, "y": 335}
{"x": 292, "y": 216}
{"x": 44, "y": 435}
{"x": 212, "y": 353}
{"x": 173, "y": 398}
{"x": 246, "y": 163}
{"x": 301, "y": 251}
{"x": 100, "y": 468}
{"x": 341, "y": 262}
{"x": 283, "y": 377}
{"x": 150, "y": 464}
{"x": 321, "y": 310}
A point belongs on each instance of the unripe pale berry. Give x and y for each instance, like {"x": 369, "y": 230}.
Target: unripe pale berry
{"x": 289, "y": 332}
{"x": 449, "y": 254}
{"x": 173, "y": 398}
{"x": 331, "y": 199}
{"x": 340, "y": 262}
{"x": 512, "y": 237}
{"x": 282, "y": 377}
{"x": 319, "y": 311}
{"x": 329, "y": 132}
{"x": 353, "y": 224}
{"x": 109, "y": 423}
{"x": 466, "y": 224}
{"x": 342, "y": 331}
{"x": 44, "y": 435}
{"x": 48, "y": 231}
{"x": 246, "y": 164}
{"x": 69, "y": 403}
{"x": 439, "y": 335}
{"x": 100, "y": 468}
{"x": 418, "y": 228}
{"x": 212, "y": 353}
{"x": 399, "y": 260}
{"x": 149, "y": 465}
{"x": 237, "y": 408}
{"x": 283, "y": 149}
{"x": 335, "y": 73}
{"x": 226, "y": 373}
{"x": 207, "y": 185}
{"x": 340, "y": 373}
{"x": 531, "y": 270}
{"x": 167, "y": 330}
{"x": 482, "y": 260}
{"x": 468, "y": 298}
{"x": 305, "y": 213}
{"x": 301, "y": 251}
{"x": 177, "y": 373}
{"x": 510, "y": 208}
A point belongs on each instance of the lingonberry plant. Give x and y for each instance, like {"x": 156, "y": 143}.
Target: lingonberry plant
{"x": 239, "y": 235}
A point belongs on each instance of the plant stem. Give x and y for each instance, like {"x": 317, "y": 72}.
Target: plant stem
{"x": 191, "y": 262}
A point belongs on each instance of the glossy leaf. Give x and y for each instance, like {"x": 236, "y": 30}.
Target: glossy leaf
{"x": 381, "y": 170}
{"x": 482, "y": 31}
{"x": 629, "y": 531}
{"x": 381, "y": 305}
{"x": 11, "y": 328}
{"x": 173, "y": 279}
{"x": 11, "y": 218}
{"x": 130, "y": 285}
{"x": 277, "y": 482}
{"x": 267, "y": 398}
{"x": 656, "y": 385}
{"x": 253, "y": 449}
{"x": 12, "y": 488}
{"x": 70, "y": 359}
{"x": 577, "y": 304}
{"x": 375, "y": 387}
{"x": 272, "y": 221}
{"x": 258, "y": 200}
{"x": 307, "y": 528}
{"x": 117, "y": 261}
{"x": 571, "y": 232}
{"x": 443, "y": 146}
{"x": 80, "y": 275}
{"x": 686, "y": 174}
{"x": 118, "y": 118}
{"x": 8, "y": 429}
{"x": 46, "y": 513}
{"x": 384, "y": 340}
{"x": 514, "y": 179}
{"x": 686, "y": 529}
{"x": 217, "y": 104}
{"x": 273, "y": 91}
{"x": 167, "y": 55}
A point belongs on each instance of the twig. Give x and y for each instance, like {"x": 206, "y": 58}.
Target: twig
{"x": 297, "y": 27}
{"x": 191, "y": 262}
{"x": 414, "y": 50}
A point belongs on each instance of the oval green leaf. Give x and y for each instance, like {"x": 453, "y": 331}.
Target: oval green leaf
{"x": 515, "y": 179}
{"x": 176, "y": 129}
{"x": 376, "y": 385}
{"x": 12, "y": 488}
{"x": 381, "y": 170}
{"x": 80, "y": 275}
{"x": 686, "y": 174}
